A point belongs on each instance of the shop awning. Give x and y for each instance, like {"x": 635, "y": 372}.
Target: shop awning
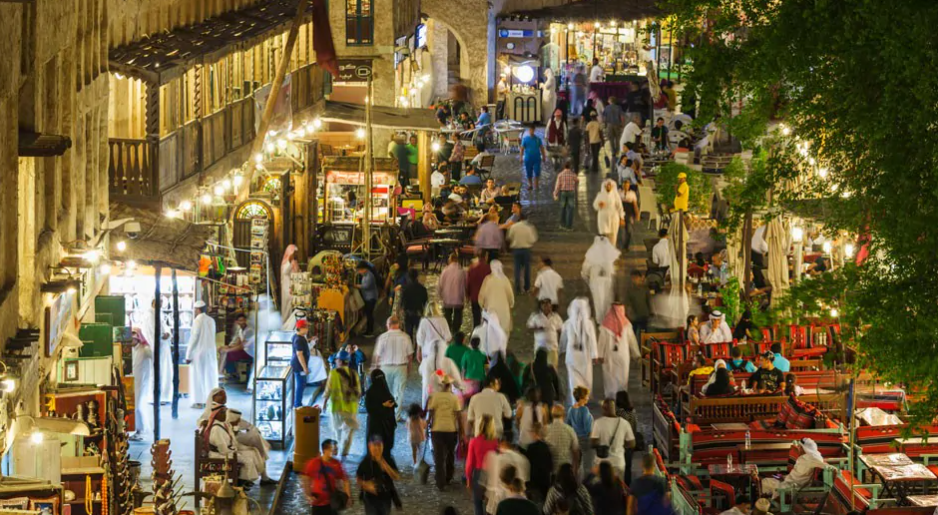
{"x": 582, "y": 10}
{"x": 413, "y": 119}
{"x": 168, "y": 242}
{"x": 161, "y": 57}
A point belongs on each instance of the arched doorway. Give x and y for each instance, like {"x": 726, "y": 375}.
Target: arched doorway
{"x": 247, "y": 232}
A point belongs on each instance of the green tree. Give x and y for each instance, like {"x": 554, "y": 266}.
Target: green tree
{"x": 850, "y": 78}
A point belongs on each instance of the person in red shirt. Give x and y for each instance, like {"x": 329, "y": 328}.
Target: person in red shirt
{"x": 321, "y": 478}
{"x": 478, "y": 271}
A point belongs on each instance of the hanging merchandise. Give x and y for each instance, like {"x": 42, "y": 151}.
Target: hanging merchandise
{"x": 259, "y": 235}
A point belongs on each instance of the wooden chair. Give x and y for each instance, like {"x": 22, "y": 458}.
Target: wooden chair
{"x": 416, "y": 250}
{"x": 205, "y": 466}
{"x": 486, "y": 164}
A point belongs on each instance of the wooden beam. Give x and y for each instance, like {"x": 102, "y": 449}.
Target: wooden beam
{"x": 278, "y": 78}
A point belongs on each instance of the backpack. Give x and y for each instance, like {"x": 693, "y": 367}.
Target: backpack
{"x": 739, "y": 368}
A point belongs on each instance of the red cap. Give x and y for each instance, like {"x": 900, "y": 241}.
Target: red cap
{"x": 300, "y": 324}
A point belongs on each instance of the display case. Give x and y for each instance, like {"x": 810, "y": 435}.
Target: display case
{"x": 273, "y": 404}
{"x": 279, "y": 348}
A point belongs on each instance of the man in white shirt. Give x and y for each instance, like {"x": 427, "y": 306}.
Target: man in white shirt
{"x": 437, "y": 180}
{"x": 522, "y": 236}
{"x": 614, "y": 432}
{"x": 632, "y": 133}
{"x": 596, "y": 72}
{"x": 661, "y": 252}
{"x": 393, "y": 352}
{"x": 546, "y": 325}
{"x": 717, "y": 331}
{"x": 489, "y": 192}
{"x": 489, "y": 402}
{"x": 495, "y": 463}
{"x": 548, "y": 283}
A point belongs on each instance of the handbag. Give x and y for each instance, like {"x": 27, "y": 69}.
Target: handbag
{"x": 338, "y": 499}
{"x": 602, "y": 451}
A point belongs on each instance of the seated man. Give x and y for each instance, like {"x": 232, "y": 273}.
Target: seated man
{"x": 768, "y": 379}
{"x": 717, "y": 331}
{"x": 465, "y": 122}
{"x": 454, "y": 210}
{"x": 241, "y": 348}
{"x": 738, "y": 364}
{"x": 218, "y": 437}
{"x": 248, "y": 441}
{"x": 780, "y": 362}
{"x": 802, "y": 473}
{"x": 514, "y": 218}
{"x": 489, "y": 193}
{"x": 471, "y": 178}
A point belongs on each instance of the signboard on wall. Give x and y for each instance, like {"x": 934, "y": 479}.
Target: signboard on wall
{"x": 421, "y": 35}
{"x": 354, "y": 70}
{"x": 58, "y": 315}
{"x": 515, "y": 33}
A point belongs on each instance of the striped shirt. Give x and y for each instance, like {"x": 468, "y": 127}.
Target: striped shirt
{"x": 393, "y": 348}
{"x": 566, "y": 181}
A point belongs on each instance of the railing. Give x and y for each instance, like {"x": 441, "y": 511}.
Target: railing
{"x": 129, "y": 170}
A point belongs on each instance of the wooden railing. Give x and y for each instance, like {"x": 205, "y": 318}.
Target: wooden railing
{"x": 129, "y": 171}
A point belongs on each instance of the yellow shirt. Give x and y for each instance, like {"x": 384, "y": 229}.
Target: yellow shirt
{"x": 682, "y": 198}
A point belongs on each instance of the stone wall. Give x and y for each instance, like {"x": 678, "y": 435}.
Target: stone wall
{"x": 468, "y": 20}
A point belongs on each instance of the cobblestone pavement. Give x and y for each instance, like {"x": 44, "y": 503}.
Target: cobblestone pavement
{"x": 567, "y": 250}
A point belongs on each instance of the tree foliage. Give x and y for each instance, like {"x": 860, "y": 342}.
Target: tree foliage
{"x": 699, "y": 187}
{"x": 853, "y": 79}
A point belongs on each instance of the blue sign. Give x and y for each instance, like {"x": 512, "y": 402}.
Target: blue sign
{"x": 421, "y": 35}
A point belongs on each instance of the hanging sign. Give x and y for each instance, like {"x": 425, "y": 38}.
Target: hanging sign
{"x": 354, "y": 70}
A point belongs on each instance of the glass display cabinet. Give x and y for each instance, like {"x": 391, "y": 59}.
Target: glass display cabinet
{"x": 279, "y": 348}
{"x": 273, "y": 404}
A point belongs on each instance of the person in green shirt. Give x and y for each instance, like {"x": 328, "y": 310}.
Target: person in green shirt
{"x": 343, "y": 388}
{"x": 472, "y": 366}
{"x": 412, "y": 154}
{"x": 457, "y": 348}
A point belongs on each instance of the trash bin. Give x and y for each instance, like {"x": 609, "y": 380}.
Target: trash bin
{"x": 306, "y": 444}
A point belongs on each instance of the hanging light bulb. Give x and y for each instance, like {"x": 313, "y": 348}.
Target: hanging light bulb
{"x": 786, "y": 130}
{"x": 822, "y": 172}
{"x": 834, "y": 313}
{"x": 92, "y": 256}
{"x": 569, "y": 26}
{"x": 826, "y": 247}
{"x": 282, "y": 144}
{"x": 597, "y": 25}
{"x": 360, "y": 133}
{"x": 185, "y": 206}
{"x": 219, "y": 190}
{"x": 301, "y": 132}
{"x": 8, "y": 385}
{"x": 207, "y": 199}
{"x": 71, "y": 290}
{"x": 317, "y": 123}
{"x": 121, "y": 246}
{"x": 258, "y": 157}
{"x": 435, "y": 146}
{"x": 797, "y": 234}
{"x": 226, "y": 184}
{"x": 238, "y": 179}
{"x": 36, "y": 437}
{"x": 131, "y": 264}
{"x": 269, "y": 147}
{"x": 811, "y": 161}
{"x": 104, "y": 269}
{"x": 172, "y": 213}
{"x": 848, "y": 250}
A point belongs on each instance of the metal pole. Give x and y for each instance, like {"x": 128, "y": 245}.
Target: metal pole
{"x": 369, "y": 169}
{"x": 158, "y": 312}
{"x": 175, "y": 347}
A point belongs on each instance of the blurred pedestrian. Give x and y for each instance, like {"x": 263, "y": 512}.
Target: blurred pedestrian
{"x": 443, "y": 415}
{"x": 497, "y": 296}
{"x": 323, "y": 477}
{"x": 565, "y": 192}
{"x": 393, "y": 352}
{"x": 480, "y": 446}
{"x": 414, "y": 298}
{"x": 568, "y": 490}
{"x": 380, "y": 405}
{"x": 344, "y": 390}
{"x": 522, "y": 236}
{"x": 562, "y": 440}
{"x": 478, "y": 271}
{"x": 376, "y": 475}
{"x": 608, "y": 492}
{"x": 451, "y": 290}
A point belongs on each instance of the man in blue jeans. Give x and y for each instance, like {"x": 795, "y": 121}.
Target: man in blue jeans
{"x": 532, "y": 153}
{"x": 522, "y": 236}
{"x": 565, "y": 192}
{"x": 300, "y": 361}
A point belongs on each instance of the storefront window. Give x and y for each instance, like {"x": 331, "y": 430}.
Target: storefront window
{"x": 359, "y": 22}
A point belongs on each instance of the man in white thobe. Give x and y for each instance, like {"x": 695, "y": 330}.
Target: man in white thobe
{"x": 578, "y": 339}
{"x": 492, "y": 337}
{"x": 802, "y": 473}
{"x": 222, "y": 444}
{"x": 610, "y": 214}
{"x": 248, "y": 439}
{"x": 432, "y": 329}
{"x": 143, "y": 370}
{"x": 717, "y": 331}
{"x": 201, "y": 356}
{"x": 599, "y": 270}
{"x": 434, "y": 367}
{"x": 617, "y": 345}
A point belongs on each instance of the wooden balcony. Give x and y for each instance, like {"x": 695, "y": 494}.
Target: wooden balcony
{"x": 130, "y": 174}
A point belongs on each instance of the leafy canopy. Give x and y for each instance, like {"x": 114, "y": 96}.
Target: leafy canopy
{"x": 853, "y": 78}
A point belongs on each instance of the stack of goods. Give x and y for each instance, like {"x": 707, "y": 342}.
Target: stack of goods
{"x": 258, "y": 267}
{"x": 165, "y": 481}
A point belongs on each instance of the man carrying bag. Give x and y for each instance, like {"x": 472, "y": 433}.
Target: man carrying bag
{"x": 321, "y": 480}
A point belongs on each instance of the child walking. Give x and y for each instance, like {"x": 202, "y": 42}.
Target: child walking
{"x": 416, "y": 429}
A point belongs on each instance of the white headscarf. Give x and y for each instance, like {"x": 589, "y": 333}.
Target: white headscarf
{"x": 578, "y": 317}
{"x": 810, "y": 448}
{"x": 610, "y": 197}
{"x": 497, "y": 269}
{"x": 210, "y": 403}
{"x": 494, "y": 339}
{"x": 601, "y": 252}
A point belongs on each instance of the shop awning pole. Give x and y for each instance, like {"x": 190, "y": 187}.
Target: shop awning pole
{"x": 175, "y": 347}
{"x": 278, "y": 78}
{"x": 369, "y": 169}
{"x": 157, "y": 332}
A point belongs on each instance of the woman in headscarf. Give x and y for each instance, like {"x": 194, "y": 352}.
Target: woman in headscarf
{"x": 578, "y": 341}
{"x": 598, "y": 270}
{"x": 288, "y": 266}
{"x": 497, "y": 296}
{"x": 434, "y": 367}
{"x": 609, "y": 211}
{"x": 720, "y": 385}
{"x": 509, "y": 386}
{"x": 801, "y": 474}
{"x": 744, "y": 329}
{"x": 542, "y": 375}
{"x": 717, "y": 365}
{"x": 380, "y": 406}
{"x": 432, "y": 329}
{"x": 617, "y": 345}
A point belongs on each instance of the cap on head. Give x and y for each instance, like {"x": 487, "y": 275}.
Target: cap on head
{"x": 199, "y": 304}
{"x": 301, "y": 324}
{"x": 682, "y": 175}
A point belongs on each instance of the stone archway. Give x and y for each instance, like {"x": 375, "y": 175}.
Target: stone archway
{"x": 468, "y": 21}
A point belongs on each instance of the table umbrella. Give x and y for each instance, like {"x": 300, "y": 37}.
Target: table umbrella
{"x": 777, "y": 238}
